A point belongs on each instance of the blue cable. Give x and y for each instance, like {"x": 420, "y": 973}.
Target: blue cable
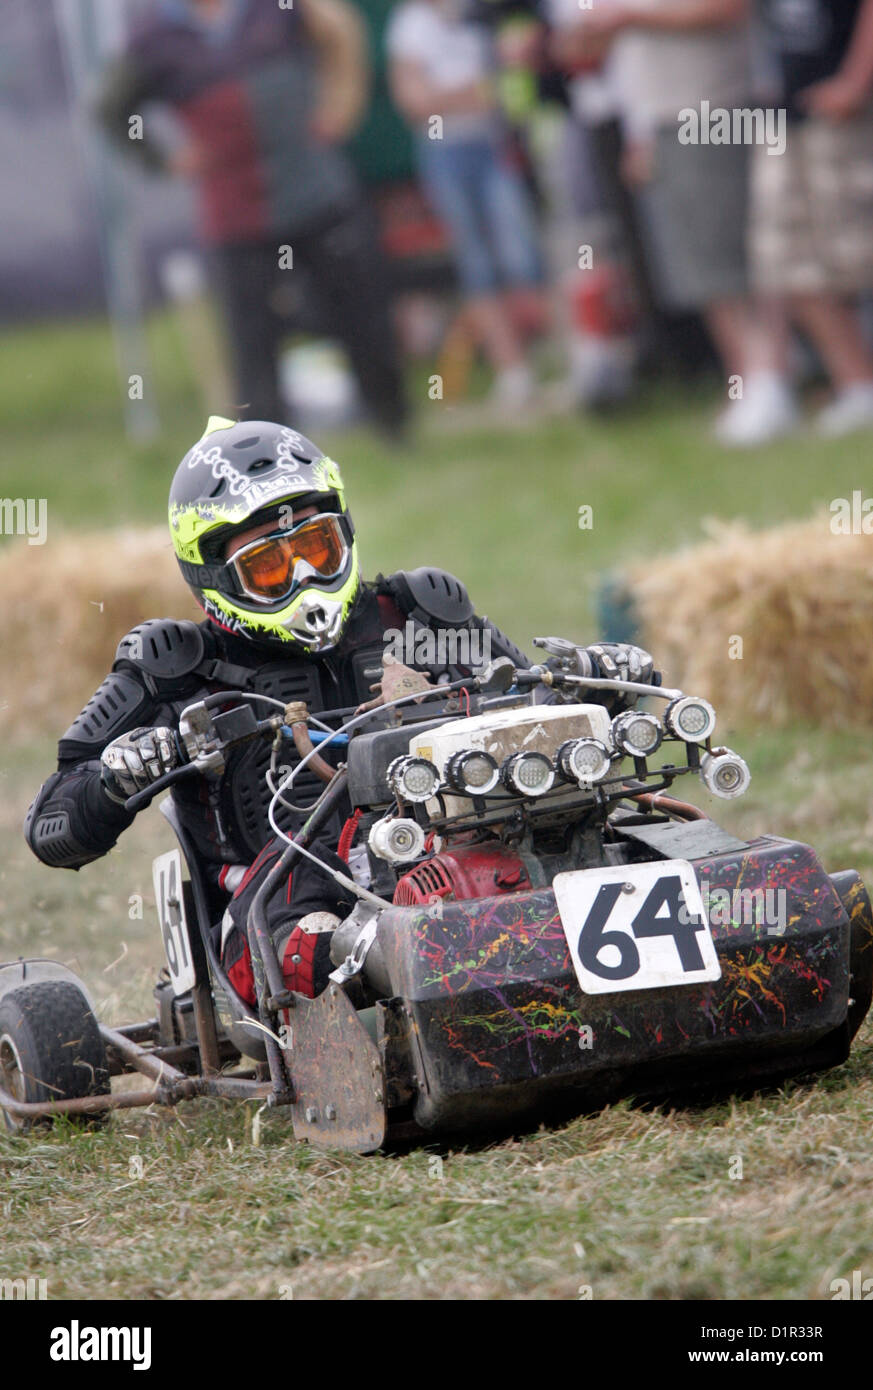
{"x": 318, "y": 735}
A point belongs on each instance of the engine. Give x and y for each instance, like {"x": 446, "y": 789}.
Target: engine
{"x": 502, "y": 800}
{"x": 479, "y": 870}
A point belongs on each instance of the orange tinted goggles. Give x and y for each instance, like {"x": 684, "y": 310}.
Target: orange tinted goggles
{"x": 272, "y": 567}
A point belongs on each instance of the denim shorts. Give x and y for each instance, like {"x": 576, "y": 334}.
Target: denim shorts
{"x": 487, "y": 210}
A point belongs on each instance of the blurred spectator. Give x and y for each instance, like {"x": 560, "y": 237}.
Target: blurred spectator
{"x": 442, "y": 77}
{"x": 606, "y": 349}
{"x": 265, "y": 95}
{"x": 670, "y": 56}
{"x": 667, "y": 340}
{"x": 812, "y": 209}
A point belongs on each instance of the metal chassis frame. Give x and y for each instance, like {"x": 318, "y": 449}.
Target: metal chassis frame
{"x": 126, "y": 1053}
{"x": 125, "y": 1049}
{"x": 125, "y": 1046}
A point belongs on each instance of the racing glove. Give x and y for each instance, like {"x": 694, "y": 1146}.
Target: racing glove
{"x": 133, "y": 761}
{"x": 622, "y": 661}
{"x": 604, "y": 660}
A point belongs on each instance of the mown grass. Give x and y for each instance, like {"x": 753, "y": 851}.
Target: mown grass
{"x": 750, "y": 1198}
{"x": 626, "y": 1203}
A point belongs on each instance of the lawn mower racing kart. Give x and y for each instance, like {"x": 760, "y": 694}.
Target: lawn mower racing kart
{"x": 539, "y": 925}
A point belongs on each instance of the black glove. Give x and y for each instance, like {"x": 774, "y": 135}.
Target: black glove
{"x": 622, "y": 661}
{"x": 603, "y": 660}
{"x": 133, "y": 761}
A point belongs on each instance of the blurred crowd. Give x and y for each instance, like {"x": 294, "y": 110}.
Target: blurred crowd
{"x": 660, "y": 187}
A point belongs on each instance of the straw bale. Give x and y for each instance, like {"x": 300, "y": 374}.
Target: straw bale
{"x": 770, "y": 625}
{"x": 65, "y": 607}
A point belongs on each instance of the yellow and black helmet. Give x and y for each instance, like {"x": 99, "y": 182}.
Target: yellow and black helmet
{"x": 293, "y": 582}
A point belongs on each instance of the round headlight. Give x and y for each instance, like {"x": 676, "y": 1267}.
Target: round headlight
{"x": 413, "y": 779}
{"x": 724, "y": 773}
{"x": 527, "y": 774}
{"x": 397, "y": 841}
{"x": 690, "y": 718}
{"x": 637, "y": 735}
{"x": 583, "y": 760}
{"x": 472, "y": 773}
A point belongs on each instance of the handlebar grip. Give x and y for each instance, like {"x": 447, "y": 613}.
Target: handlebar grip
{"x": 142, "y": 798}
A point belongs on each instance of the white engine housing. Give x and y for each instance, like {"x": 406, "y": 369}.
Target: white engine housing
{"x": 537, "y": 729}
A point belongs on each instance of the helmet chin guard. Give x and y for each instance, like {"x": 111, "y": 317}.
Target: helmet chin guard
{"x": 317, "y": 622}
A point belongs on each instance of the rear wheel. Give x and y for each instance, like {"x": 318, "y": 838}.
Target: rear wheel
{"x": 50, "y": 1048}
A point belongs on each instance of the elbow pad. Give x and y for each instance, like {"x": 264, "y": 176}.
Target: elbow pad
{"x": 71, "y": 820}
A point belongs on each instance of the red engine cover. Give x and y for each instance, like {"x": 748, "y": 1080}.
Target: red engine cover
{"x": 469, "y": 871}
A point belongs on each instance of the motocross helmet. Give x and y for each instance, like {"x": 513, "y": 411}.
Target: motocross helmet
{"x": 295, "y": 585}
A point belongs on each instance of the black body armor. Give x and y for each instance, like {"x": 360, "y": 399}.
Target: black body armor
{"x": 164, "y": 665}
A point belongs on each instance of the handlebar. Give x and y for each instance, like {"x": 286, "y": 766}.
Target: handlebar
{"x": 142, "y": 798}
{"x": 499, "y": 675}
{"x": 534, "y": 675}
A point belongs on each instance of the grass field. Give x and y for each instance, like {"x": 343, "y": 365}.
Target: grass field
{"x": 627, "y": 1203}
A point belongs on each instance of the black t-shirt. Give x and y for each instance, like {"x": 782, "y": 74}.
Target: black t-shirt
{"x": 808, "y": 39}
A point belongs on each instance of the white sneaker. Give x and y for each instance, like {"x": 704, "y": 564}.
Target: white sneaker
{"x": 851, "y": 409}
{"x": 513, "y": 386}
{"x": 766, "y": 411}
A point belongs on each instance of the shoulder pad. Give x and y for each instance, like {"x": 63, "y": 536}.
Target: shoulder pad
{"x": 112, "y": 710}
{"x": 431, "y": 595}
{"x": 163, "y": 648}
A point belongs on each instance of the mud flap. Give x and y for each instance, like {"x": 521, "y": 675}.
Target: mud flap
{"x": 337, "y": 1075}
{"x": 14, "y": 974}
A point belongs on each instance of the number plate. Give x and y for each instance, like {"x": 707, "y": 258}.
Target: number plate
{"x": 167, "y": 877}
{"x": 639, "y": 926}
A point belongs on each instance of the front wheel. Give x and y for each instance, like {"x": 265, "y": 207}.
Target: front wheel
{"x": 50, "y": 1048}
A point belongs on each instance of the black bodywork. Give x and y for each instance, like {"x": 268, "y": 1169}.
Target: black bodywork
{"x": 477, "y": 1018}
{"x": 487, "y": 1023}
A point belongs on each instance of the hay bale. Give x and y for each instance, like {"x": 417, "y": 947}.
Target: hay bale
{"x": 65, "y": 607}
{"x": 769, "y": 625}
{"x": 799, "y": 598}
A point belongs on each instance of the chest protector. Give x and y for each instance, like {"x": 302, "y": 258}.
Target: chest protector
{"x": 341, "y": 679}
{"x": 228, "y": 817}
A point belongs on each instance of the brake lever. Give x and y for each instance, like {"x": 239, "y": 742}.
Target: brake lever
{"x": 208, "y": 758}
